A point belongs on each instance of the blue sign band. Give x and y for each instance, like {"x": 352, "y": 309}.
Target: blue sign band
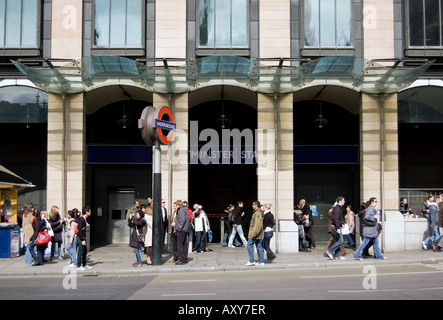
{"x": 165, "y": 125}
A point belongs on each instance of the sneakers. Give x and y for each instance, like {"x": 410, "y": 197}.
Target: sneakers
{"x": 424, "y": 245}
{"x": 84, "y": 268}
{"x": 250, "y": 264}
{"x": 329, "y": 254}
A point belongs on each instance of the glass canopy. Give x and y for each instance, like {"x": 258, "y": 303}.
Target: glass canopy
{"x": 264, "y": 76}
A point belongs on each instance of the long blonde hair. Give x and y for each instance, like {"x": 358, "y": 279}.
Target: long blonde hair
{"x": 53, "y": 211}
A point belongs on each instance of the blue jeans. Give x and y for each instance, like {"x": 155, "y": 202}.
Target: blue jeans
{"x": 72, "y": 250}
{"x": 434, "y": 237}
{"x": 258, "y": 245}
{"x": 39, "y": 257}
{"x": 199, "y": 245}
{"x": 350, "y": 241}
{"x": 238, "y": 229}
{"x": 338, "y": 241}
{"x": 365, "y": 242}
{"x": 137, "y": 253}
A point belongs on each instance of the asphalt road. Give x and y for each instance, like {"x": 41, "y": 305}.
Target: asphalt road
{"x": 408, "y": 281}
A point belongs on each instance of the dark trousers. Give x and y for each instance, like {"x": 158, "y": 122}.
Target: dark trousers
{"x": 266, "y": 241}
{"x": 182, "y": 248}
{"x": 174, "y": 245}
{"x": 199, "y": 245}
{"x": 81, "y": 257}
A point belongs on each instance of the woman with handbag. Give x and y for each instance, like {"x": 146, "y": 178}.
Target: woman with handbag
{"x": 38, "y": 226}
{"x": 138, "y": 223}
{"x": 370, "y": 231}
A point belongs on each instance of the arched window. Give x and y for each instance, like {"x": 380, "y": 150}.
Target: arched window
{"x": 22, "y": 104}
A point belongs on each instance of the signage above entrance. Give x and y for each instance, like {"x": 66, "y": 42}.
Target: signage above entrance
{"x": 157, "y": 125}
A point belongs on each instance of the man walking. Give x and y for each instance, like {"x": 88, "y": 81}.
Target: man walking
{"x": 237, "y": 227}
{"x": 255, "y": 235}
{"x": 337, "y": 223}
{"x": 434, "y": 237}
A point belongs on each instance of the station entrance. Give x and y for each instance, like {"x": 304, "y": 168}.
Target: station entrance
{"x": 118, "y": 162}
{"x": 219, "y": 177}
{"x": 326, "y": 159}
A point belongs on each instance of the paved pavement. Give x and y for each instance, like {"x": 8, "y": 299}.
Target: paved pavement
{"x": 118, "y": 260}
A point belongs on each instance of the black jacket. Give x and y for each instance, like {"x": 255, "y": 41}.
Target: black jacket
{"x": 137, "y": 224}
{"x": 38, "y": 226}
{"x": 81, "y": 226}
{"x": 337, "y": 216}
{"x": 268, "y": 220}
{"x": 57, "y": 227}
{"x": 237, "y": 215}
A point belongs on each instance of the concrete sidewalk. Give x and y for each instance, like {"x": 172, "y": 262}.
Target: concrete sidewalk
{"x": 118, "y": 260}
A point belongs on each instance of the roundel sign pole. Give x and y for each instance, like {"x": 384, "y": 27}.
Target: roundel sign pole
{"x": 157, "y": 127}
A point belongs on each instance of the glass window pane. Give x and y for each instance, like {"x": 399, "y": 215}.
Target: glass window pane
{"x": 134, "y": 25}
{"x": 207, "y": 23}
{"x": 223, "y": 23}
{"x": 29, "y": 23}
{"x": 239, "y": 23}
{"x": 432, "y": 17}
{"x": 327, "y": 23}
{"x": 19, "y": 104}
{"x": 13, "y": 23}
{"x": 118, "y": 22}
{"x": 2, "y": 22}
{"x": 101, "y": 27}
{"x": 343, "y": 20}
{"x": 312, "y": 23}
{"x": 416, "y": 18}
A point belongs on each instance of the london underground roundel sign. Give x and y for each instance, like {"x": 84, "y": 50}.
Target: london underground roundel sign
{"x": 157, "y": 125}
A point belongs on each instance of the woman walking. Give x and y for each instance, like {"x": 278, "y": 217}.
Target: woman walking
{"x": 138, "y": 223}
{"x": 268, "y": 232}
{"x": 370, "y": 231}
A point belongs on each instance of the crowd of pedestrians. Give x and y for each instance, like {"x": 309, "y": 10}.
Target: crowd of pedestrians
{"x": 184, "y": 225}
{"x": 58, "y": 231}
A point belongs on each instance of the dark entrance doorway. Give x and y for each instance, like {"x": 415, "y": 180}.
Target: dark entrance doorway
{"x": 118, "y": 168}
{"x": 224, "y": 180}
{"x": 328, "y": 135}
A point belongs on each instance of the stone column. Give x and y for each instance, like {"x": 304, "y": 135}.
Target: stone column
{"x": 175, "y": 156}
{"x": 66, "y": 117}
{"x": 66, "y": 152}
{"x": 275, "y": 171}
{"x": 379, "y": 163}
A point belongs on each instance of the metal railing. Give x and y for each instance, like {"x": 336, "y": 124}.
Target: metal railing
{"x": 416, "y": 197}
